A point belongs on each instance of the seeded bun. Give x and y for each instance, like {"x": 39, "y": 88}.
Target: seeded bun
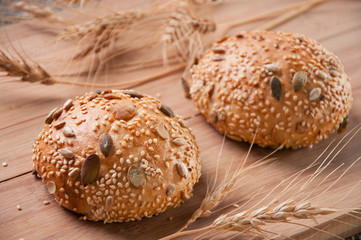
{"x": 117, "y": 156}
{"x": 285, "y": 87}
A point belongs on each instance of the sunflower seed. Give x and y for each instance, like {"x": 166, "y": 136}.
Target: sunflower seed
{"x": 68, "y": 132}
{"x": 111, "y": 96}
{"x": 321, "y": 74}
{"x": 186, "y": 88}
{"x": 125, "y": 112}
{"x": 161, "y": 131}
{"x": 59, "y": 125}
{"x": 51, "y": 187}
{"x": 218, "y": 58}
{"x": 219, "y": 50}
{"x": 314, "y": 94}
{"x": 182, "y": 170}
{"x": 343, "y": 125}
{"x": 184, "y": 195}
{"x": 90, "y": 169}
{"x": 166, "y": 110}
{"x": 57, "y": 113}
{"x": 276, "y": 88}
{"x": 49, "y": 118}
{"x": 91, "y": 96}
{"x": 109, "y": 203}
{"x": 73, "y": 174}
{"x": 106, "y": 144}
{"x": 133, "y": 94}
{"x": 170, "y": 191}
{"x": 334, "y": 73}
{"x": 272, "y": 67}
{"x": 136, "y": 177}
{"x": 179, "y": 141}
{"x": 183, "y": 123}
{"x": 299, "y": 81}
{"x": 68, "y": 104}
{"x": 66, "y": 153}
{"x": 301, "y": 127}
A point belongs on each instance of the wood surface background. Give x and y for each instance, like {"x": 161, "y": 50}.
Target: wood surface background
{"x": 23, "y": 106}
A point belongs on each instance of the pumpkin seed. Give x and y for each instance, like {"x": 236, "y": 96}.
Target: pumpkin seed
{"x": 314, "y": 94}
{"x": 321, "y": 74}
{"x": 276, "y": 88}
{"x": 343, "y": 125}
{"x": 73, "y": 174}
{"x": 299, "y": 81}
{"x": 161, "y": 131}
{"x": 133, "y": 94}
{"x": 186, "y": 88}
{"x": 51, "y": 187}
{"x": 272, "y": 67}
{"x": 90, "y": 169}
{"x": 166, "y": 110}
{"x": 136, "y": 177}
{"x": 59, "y": 125}
{"x": 91, "y": 96}
{"x": 182, "y": 170}
{"x": 49, "y": 118}
{"x": 125, "y": 112}
{"x": 219, "y": 50}
{"x": 109, "y": 203}
{"x": 179, "y": 141}
{"x": 106, "y": 144}
{"x": 68, "y": 132}
{"x": 68, "y": 104}
{"x": 66, "y": 153}
{"x": 170, "y": 191}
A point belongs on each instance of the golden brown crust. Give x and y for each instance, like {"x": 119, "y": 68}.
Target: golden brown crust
{"x": 284, "y": 86}
{"x": 114, "y": 156}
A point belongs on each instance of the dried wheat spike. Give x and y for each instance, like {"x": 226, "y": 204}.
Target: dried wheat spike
{"x": 38, "y": 12}
{"x": 102, "y": 31}
{"x": 285, "y": 212}
{"x": 183, "y": 29}
{"x": 30, "y": 72}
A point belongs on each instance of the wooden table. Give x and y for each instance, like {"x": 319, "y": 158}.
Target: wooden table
{"x": 23, "y": 106}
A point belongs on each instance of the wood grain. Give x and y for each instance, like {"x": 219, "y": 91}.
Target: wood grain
{"x": 23, "y": 106}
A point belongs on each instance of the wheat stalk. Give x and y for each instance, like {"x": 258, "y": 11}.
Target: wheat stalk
{"x": 290, "y": 211}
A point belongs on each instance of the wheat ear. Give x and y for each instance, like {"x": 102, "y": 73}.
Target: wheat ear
{"x": 28, "y": 71}
{"x": 38, "y": 12}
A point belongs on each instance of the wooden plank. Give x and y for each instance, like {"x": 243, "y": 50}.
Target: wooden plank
{"x": 23, "y": 106}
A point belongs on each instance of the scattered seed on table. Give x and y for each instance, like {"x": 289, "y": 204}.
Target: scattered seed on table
{"x": 46, "y": 202}
{"x": 18, "y": 207}
{"x": 5, "y": 164}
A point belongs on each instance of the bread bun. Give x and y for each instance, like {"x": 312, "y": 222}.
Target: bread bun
{"x": 285, "y": 87}
{"x": 117, "y": 156}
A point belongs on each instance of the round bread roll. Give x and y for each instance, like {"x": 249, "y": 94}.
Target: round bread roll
{"x": 117, "y": 156}
{"x": 284, "y": 87}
